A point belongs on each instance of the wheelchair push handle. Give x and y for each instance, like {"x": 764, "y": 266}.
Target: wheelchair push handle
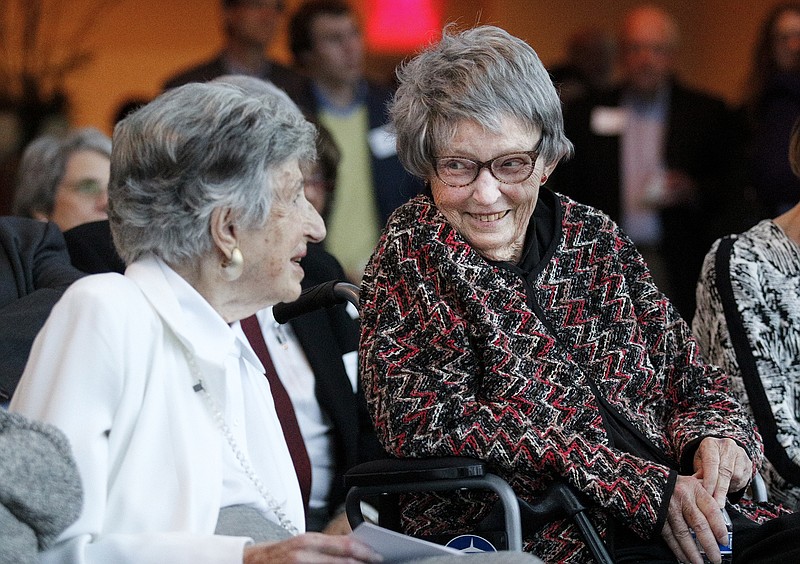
{"x": 323, "y": 295}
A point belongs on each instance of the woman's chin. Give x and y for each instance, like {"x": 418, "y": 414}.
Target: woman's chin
{"x": 491, "y": 250}
{"x": 291, "y": 293}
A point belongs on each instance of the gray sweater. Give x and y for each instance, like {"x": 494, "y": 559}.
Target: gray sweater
{"x": 40, "y": 489}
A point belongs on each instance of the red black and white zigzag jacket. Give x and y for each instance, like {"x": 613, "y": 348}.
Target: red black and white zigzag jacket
{"x": 464, "y": 357}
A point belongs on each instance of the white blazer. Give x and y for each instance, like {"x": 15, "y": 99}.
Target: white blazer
{"x": 109, "y": 369}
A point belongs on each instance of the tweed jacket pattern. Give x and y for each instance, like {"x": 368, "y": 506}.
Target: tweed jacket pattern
{"x": 464, "y": 357}
{"x": 754, "y": 295}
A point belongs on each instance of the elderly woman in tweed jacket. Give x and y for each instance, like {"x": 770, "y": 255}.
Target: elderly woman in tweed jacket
{"x": 506, "y": 322}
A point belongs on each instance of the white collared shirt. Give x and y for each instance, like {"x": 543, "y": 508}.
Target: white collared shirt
{"x": 109, "y": 368}
{"x": 249, "y": 413}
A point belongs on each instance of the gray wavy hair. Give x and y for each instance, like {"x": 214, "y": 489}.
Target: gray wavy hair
{"x": 44, "y": 164}
{"x": 483, "y": 74}
{"x": 192, "y": 150}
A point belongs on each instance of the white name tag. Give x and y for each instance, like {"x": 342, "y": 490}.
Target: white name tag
{"x": 382, "y": 142}
{"x": 350, "y": 361}
{"x": 607, "y": 120}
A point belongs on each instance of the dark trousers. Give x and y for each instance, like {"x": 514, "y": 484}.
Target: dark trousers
{"x": 777, "y": 540}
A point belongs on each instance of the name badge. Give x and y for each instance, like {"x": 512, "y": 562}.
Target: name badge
{"x": 382, "y": 142}
{"x": 350, "y": 361}
{"x": 607, "y": 120}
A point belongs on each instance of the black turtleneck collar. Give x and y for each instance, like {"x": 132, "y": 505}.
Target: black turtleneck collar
{"x": 539, "y": 236}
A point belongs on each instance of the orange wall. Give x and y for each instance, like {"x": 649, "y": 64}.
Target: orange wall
{"x": 138, "y": 43}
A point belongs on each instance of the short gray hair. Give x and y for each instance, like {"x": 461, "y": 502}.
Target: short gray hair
{"x": 192, "y": 150}
{"x": 483, "y": 74}
{"x": 44, "y": 163}
{"x": 255, "y": 86}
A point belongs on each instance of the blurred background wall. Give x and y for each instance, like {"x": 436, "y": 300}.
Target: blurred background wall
{"x": 135, "y": 44}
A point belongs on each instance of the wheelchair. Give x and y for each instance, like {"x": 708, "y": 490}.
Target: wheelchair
{"x": 388, "y": 478}
{"x": 384, "y": 480}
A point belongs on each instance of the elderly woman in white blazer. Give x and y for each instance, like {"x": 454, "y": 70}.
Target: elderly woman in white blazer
{"x": 168, "y": 412}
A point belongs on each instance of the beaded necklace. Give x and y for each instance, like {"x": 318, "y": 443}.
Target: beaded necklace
{"x": 219, "y": 419}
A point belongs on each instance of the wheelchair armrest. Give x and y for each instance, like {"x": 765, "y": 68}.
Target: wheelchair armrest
{"x": 559, "y": 500}
{"x": 395, "y": 476}
{"x": 758, "y": 488}
{"x": 408, "y": 470}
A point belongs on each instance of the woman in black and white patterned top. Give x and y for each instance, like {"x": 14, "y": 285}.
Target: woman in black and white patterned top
{"x": 748, "y": 322}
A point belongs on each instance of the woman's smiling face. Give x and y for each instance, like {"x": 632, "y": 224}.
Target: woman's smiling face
{"x": 492, "y": 216}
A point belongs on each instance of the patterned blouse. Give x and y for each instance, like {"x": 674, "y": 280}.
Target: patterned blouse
{"x": 748, "y": 322}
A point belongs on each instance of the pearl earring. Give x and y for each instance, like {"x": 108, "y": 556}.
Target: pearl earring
{"x": 232, "y": 268}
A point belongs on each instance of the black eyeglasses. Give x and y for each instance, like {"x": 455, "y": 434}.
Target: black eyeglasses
{"x": 512, "y": 168}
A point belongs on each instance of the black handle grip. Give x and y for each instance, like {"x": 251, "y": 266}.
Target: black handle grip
{"x": 320, "y": 296}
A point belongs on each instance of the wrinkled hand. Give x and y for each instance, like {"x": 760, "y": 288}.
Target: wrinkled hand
{"x": 723, "y": 466}
{"x": 338, "y": 526}
{"x": 692, "y": 506}
{"x": 311, "y": 547}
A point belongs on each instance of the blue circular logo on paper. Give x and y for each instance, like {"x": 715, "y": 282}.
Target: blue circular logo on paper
{"x": 469, "y": 544}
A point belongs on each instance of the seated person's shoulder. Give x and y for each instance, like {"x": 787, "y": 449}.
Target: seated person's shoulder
{"x": 102, "y": 288}
{"x": 109, "y": 305}
{"x": 91, "y": 248}
{"x": 23, "y": 232}
{"x": 34, "y": 251}
{"x": 108, "y": 298}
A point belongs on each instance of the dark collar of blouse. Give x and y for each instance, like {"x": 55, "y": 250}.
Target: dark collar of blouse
{"x": 538, "y": 237}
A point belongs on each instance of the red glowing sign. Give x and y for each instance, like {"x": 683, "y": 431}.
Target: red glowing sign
{"x": 400, "y": 26}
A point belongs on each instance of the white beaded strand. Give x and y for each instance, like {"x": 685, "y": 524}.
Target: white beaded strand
{"x": 219, "y": 419}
